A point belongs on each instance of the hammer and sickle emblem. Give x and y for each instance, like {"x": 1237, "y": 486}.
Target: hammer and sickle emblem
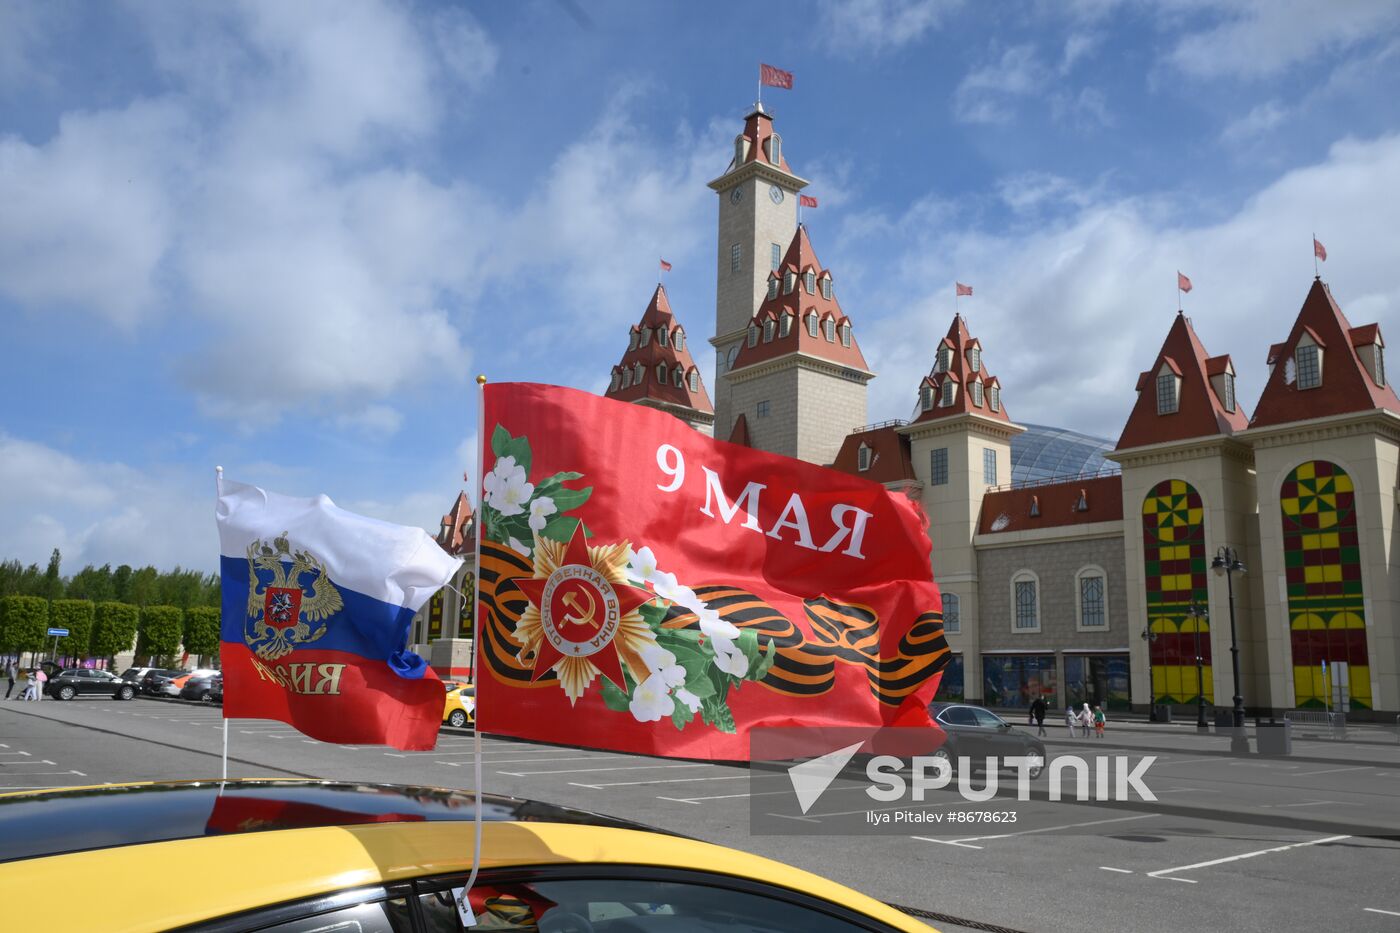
{"x": 583, "y": 617}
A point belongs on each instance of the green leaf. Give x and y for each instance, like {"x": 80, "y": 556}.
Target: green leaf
{"x": 500, "y": 437}
{"x": 559, "y": 528}
{"x": 747, "y": 642}
{"x": 548, "y": 485}
{"x": 769, "y": 657}
{"x": 519, "y": 448}
{"x": 613, "y": 697}
{"x": 654, "y": 615}
{"x": 681, "y": 715}
{"x": 699, "y": 683}
{"x": 566, "y": 500}
{"x": 718, "y": 714}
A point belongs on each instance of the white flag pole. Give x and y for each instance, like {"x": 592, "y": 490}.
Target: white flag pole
{"x": 223, "y": 779}
{"x": 464, "y": 909}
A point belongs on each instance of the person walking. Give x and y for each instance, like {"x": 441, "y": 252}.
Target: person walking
{"x": 1086, "y": 719}
{"x": 1071, "y": 720}
{"x": 27, "y": 691}
{"x": 1099, "y": 720}
{"x": 42, "y": 679}
{"x": 1038, "y": 714}
{"x": 10, "y": 674}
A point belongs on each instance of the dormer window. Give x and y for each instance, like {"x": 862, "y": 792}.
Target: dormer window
{"x": 637, "y": 373}
{"x": 826, "y": 287}
{"x": 809, "y": 282}
{"x": 1082, "y": 503}
{"x": 974, "y": 359}
{"x": 926, "y": 397}
{"x": 632, "y": 340}
{"x": 863, "y": 458}
{"x": 679, "y": 339}
{"x": 944, "y": 360}
{"x": 976, "y": 389}
{"x": 994, "y": 397}
{"x": 775, "y": 149}
{"x": 1309, "y": 365}
{"x": 644, "y": 337}
{"x": 846, "y": 334}
{"x": 773, "y": 288}
{"x": 789, "y": 282}
{"x": 1229, "y": 399}
{"x": 768, "y": 331}
{"x": 1380, "y": 365}
{"x": 829, "y": 328}
{"x": 663, "y": 336}
{"x": 753, "y": 335}
{"x": 627, "y": 377}
{"x": 616, "y": 380}
{"x": 694, "y": 380}
{"x": 1168, "y": 391}
{"x": 812, "y": 323}
{"x": 678, "y": 375}
{"x": 661, "y": 374}
{"x": 741, "y": 149}
{"x": 785, "y": 327}
{"x": 1035, "y": 506}
{"x": 950, "y": 389}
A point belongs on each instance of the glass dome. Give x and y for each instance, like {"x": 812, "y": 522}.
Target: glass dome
{"x": 1043, "y": 453}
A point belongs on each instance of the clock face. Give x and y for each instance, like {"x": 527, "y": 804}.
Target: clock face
{"x": 776, "y": 194}
{"x": 736, "y": 195}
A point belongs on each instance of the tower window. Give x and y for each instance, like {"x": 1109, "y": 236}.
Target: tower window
{"x": 789, "y": 282}
{"x": 952, "y": 614}
{"x": 809, "y": 282}
{"x": 768, "y": 331}
{"x": 1229, "y": 399}
{"x": 679, "y": 339}
{"x": 949, "y": 390}
{"x": 944, "y": 360}
{"x": 694, "y": 380}
{"x": 938, "y": 466}
{"x": 777, "y": 253}
{"x": 974, "y": 359}
{"x": 679, "y": 376}
{"x": 632, "y": 340}
{"x": 775, "y": 149}
{"x": 989, "y": 466}
{"x": 627, "y": 377}
{"x": 753, "y": 336}
{"x": 1380, "y": 365}
{"x": 1309, "y": 366}
{"x": 662, "y": 336}
{"x": 812, "y": 323}
{"x": 637, "y": 373}
{"x": 1166, "y": 393}
{"x": 994, "y": 397}
{"x": 616, "y": 381}
{"x": 644, "y": 337}
{"x": 736, "y": 257}
{"x": 786, "y": 327}
{"x": 772, "y": 288}
{"x": 926, "y": 397}
{"x": 830, "y": 328}
{"x": 826, "y": 287}
{"x": 977, "y": 392}
{"x": 863, "y": 458}
{"x": 661, "y": 374}
{"x": 762, "y": 409}
{"x": 846, "y": 334}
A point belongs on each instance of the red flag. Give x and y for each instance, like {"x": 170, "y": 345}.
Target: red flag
{"x": 1182, "y": 282}
{"x": 1319, "y": 250}
{"x": 665, "y": 266}
{"x": 774, "y": 77}
{"x": 807, "y": 201}
{"x": 716, "y": 590}
{"x": 964, "y": 289}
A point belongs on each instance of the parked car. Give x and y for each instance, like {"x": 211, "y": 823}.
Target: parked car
{"x": 136, "y": 674}
{"x": 154, "y": 680}
{"x": 81, "y": 682}
{"x": 175, "y": 685}
{"x": 200, "y": 686}
{"x": 286, "y": 855}
{"x": 216, "y": 691}
{"x": 977, "y": 734}
{"x": 460, "y": 706}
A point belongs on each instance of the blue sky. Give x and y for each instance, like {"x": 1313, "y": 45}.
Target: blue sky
{"x": 284, "y": 237}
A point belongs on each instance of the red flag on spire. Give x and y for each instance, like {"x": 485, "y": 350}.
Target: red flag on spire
{"x": 1182, "y": 282}
{"x": 665, "y": 266}
{"x": 963, "y": 289}
{"x": 807, "y": 201}
{"x": 774, "y": 77}
{"x": 1319, "y": 250}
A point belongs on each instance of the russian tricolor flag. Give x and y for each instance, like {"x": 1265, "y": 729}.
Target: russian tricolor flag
{"x": 317, "y": 603}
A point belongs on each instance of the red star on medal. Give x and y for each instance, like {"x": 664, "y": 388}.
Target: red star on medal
{"x": 581, "y": 610}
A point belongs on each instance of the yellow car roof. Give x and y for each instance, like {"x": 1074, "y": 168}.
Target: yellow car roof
{"x": 242, "y": 861}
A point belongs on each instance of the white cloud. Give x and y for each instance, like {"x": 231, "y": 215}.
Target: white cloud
{"x": 987, "y": 94}
{"x": 378, "y": 421}
{"x": 855, "y": 26}
{"x": 1071, "y": 311}
{"x": 1261, "y": 38}
{"x": 1077, "y": 46}
{"x": 1260, "y": 120}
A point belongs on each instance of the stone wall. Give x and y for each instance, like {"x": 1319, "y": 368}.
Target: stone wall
{"x": 1055, "y": 562}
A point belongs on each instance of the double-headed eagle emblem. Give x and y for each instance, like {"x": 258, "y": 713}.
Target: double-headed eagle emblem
{"x": 289, "y": 592}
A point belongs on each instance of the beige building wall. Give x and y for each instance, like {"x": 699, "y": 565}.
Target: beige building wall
{"x": 830, "y": 405}
{"x": 1367, "y": 446}
{"x": 774, "y": 383}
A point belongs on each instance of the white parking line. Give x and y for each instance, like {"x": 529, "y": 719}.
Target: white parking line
{"x": 1331, "y": 771}
{"x": 737, "y": 777}
{"x": 26, "y": 754}
{"x": 1377, "y": 910}
{"x": 36, "y": 761}
{"x": 1121, "y": 871}
{"x": 596, "y": 770}
{"x": 30, "y": 774}
{"x": 1235, "y": 858}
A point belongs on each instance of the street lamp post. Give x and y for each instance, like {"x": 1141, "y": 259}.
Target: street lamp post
{"x": 1150, "y": 636}
{"x": 1198, "y": 613}
{"x": 1227, "y": 563}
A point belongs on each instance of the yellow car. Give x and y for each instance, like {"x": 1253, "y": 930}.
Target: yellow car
{"x": 460, "y": 706}
{"x": 303, "y": 856}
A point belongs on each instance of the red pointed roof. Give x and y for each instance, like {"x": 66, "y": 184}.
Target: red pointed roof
{"x": 642, "y": 383}
{"x": 1200, "y": 412}
{"x": 957, "y": 346}
{"x": 758, "y": 129}
{"x": 457, "y": 536}
{"x": 1346, "y": 386}
{"x": 740, "y": 433}
{"x": 800, "y": 259}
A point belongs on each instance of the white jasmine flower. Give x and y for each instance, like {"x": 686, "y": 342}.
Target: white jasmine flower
{"x": 519, "y": 548}
{"x": 641, "y": 565}
{"x": 715, "y": 627}
{"x": 666, "y": 586}
{"x": 663, "y": 664}
{"x": 651, "y": 700}
{"x": 507, "y": 489}
{"x": 728, "y": 658}
{"x": 540, "y": 510}
{"x": 691, "y": 701}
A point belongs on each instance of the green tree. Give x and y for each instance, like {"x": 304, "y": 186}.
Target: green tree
{"x": 160, "y": 631}
{"x": 76, "y": 615}
{"x": 114, "y": 629}
{"x": 121, "y": 584}
{"x": 19, "y": 580}
{"x": 24, "y": 622}
{"x": 92, "y": 583}
{"x": 53, "y": 577}
{"x": 145, "y": 587}
{"x": 202, "y": 630}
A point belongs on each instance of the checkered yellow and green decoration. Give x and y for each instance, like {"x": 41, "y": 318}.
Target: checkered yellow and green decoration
{"x": 1322, "y": 563}
{"x": 1173, "y": 540}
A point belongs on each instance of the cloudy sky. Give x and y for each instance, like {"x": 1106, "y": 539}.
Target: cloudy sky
{"x": 282, "y": 237}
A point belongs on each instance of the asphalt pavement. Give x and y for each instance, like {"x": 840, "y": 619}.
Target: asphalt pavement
{"x": 1235, "y": 843}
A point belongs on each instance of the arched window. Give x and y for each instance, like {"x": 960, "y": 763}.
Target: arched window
{"x": 732, "y": 356}
{"x": 785, "y": 327}
{"x": 812, "y": 323}
{"x": 694, "y": 380}
{"x": 952, "y": 614}
{"x": 863, "y": 458}
{"x": 809, "y": 282}
{"x": 1091, "y": 594}
{"x": 741, "y": 149}
{"x": 1025, "y": 602}
{"x": 753, "y": 335}
{"x": 775, "y": 149}
{"x": 830, "y": 330}
{"x": 846, "y": 334}
{"x": 768, "y": 326}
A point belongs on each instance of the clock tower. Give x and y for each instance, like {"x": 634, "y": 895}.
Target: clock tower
{"x": 757, "y": 221}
